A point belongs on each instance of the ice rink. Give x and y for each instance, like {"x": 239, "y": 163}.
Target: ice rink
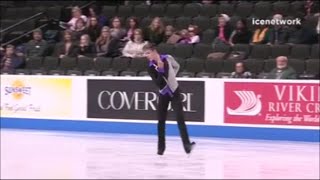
{"x": 40, "y": 154}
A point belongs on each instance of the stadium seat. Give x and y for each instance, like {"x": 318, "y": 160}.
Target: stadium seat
{"x": 194, "y": 65}
{"x": 244, "y": 9}
{"x": 56, "y": 72}
{"x": 221, "y": 48}
{"x": 254, "y": 66}
{"x": 110, "y": 73}
{"x": 168, "y": 21}
{"x": 109, "y": 11}
{"x": 141, "y": 10}
{"x": 174, "y": 10}
{"x": 145, "y": 22}
{"x": 183, "y": 51}
{"x": 297, "y": 65}
{"x": 38, "y": 72}
{"x": 128, "y": 73}
{"x": 182, "y": 22}
{"x": 201, "y": 51}
{"x": 209, "y": 10}
{"x": 281, "y": 7}
{"x": 260, "y": 52}
{"x": 203, "y": 23}
{"x": 207, "y": 36}
{"x": 280, "y": 50}
{"x": 315, "y": 51}
{"x": 157, "y": 10}
{"x": 213, "y": 66}
{"x": 226, "y": 8}
{"x": 313, "y": 66}
{"x": 228, "y": 65}
{"x": 269, "y": 65}
{"x": 246, "y": 48}
{"x": 263, "y": 75}
{"x": 50, "y": 63}
{"x": 120, "y": 63}
{"x": 22, "y": 71}
{"x": 300, "y": 51}
{"x": 85, "y": 63}
{"x": 185, "y": 74}
{"x": 262, "y": 9}
{"x": 224, "y": 75}
{"x": 68, "y": 63}
{"x": 205, "y": 75}
{"x": 34, "y": 62}
{"x": 213, "y": 23}
{"x": 102, "y": 64}
{"x": 165, "y": 48}
{"x": 143, "y": 73}
{"x": 125, "y": 11}
{"x": 139, "y": 64}
{"x": 191, "y": 9}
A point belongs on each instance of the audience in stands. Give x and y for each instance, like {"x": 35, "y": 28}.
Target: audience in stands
{"x": 67, "y": 47}
{"x": 37, "y": 47}
{"x": 94, "y": 29}
{"x": 171, "y": 36}
{"x": 278, "y": 34}
{"x": 282, "y": 70}
{"x": 301, "y": 34}
{"x": 223, "y": 30}
{"x": 10, "y": 60}
{"x": 131, "y": 27}
{"x": 76, "y": 14}
{"x": 95, "y": 12}
{"x": 106, "y": 45}
{"x": 155, "y": 32}
{"x": 116, "y": 29}
{"x": 241, "y": 34}
{"x": 86, "y": 48}
{"x": 193, "y": 34}
{"x": 80, "y": 29}
{"x": 311, "y": 8}
{"x": 240, "y": 71}
{"x": 184, "y": 36}
{"x": 134, "y": 47}
{"x": 260, "y": 35}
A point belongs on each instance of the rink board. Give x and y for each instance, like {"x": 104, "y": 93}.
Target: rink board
{"x": 227, "y": 108}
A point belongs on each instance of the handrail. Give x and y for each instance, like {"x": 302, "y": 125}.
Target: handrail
{"x": 17, "y": 38}
{"x": 20, "y": 22}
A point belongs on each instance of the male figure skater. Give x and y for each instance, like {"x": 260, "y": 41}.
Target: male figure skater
{"x": 163, "y": 70}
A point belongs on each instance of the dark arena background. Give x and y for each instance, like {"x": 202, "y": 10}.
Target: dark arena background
{"x": 77, "y": 100}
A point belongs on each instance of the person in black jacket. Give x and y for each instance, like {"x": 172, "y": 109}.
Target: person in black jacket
{"x": 86, "y": 48}
{"x": 163, "y": 70}
{"x": 106, "y": 45}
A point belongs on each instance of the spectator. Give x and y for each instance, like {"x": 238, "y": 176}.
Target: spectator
{"x": 37, "y": 47}
{"x": 79, "y": 30}
{"x": 155, "y": 32}
{"x": 94, "y": 29}
{"x": 76, "y": 14}
{"x": 310, "y": 8}
{"x": 134, "y": 47}
{"x": 117, "y": 31}
{"x": 241, "y": 35}
{"x": 278, "y": 34}
{"x": 107, "y": 45}
{"x": 223, "y": 30}
{"x": 67, "y": 47}
{"x": 132, "y": 26}
{"x": 282, "y": 71}
{"x": 95, "y": 12}
{"x": 193, "y": 34}
{"x": 240, "y": 71}
{"x": 86, "y": 48}
{"x": 10, "y": 60}
{"x": 170, "y": 35}
{"x": 184, "y": 36}
{"x": 260, "y": 35}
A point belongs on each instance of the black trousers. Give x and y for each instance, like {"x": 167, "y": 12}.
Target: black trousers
{"x": 176, "y": 103}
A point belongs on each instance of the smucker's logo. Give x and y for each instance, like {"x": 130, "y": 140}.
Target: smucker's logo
{"x": 18, "y": 90}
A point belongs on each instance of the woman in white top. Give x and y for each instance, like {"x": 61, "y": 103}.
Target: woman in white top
{"x": 134, "y": 47}
{"x": 193, "y": 31}
{"x": 76, "y": 14}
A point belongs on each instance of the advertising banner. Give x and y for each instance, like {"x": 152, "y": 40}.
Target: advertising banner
{"x": 272, "y": 103}
{"x": 137, "y": 100}
{"x": 26, "y": 96}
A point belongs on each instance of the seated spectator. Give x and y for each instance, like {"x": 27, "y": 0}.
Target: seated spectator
{"x": 240, "y": 71}
{"x": 106, "y": 45}
{"x": 94, "y": 29}
{"x": 193, "y": 34}
{"x": 117, "y": 31}
{"x": 283, "y": 70}
{"x": 223, "y": 30}
{"x": 184, "y": 37}
{"x": 301, "y": 34}
{"x": 132, "y": 26}
{"x": 310, "y": 8}
{"x": 79, "y": 30}
{"x": 86, "y": 48}
{"x": 67, "y": 47}
{"x": 134, "y": 47}
{"x": 241, "y": 35}
{"x": 171, "y": 36}
{"x": 95, "y": 12}
{"x": 76, "y": 14}
{"x": 260, "y": 35}
{"x": 37, "y": 47}
{"x": 10, "y": 60}
{"x": 278, "y": 34}
{"x": 155, "y": 32}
